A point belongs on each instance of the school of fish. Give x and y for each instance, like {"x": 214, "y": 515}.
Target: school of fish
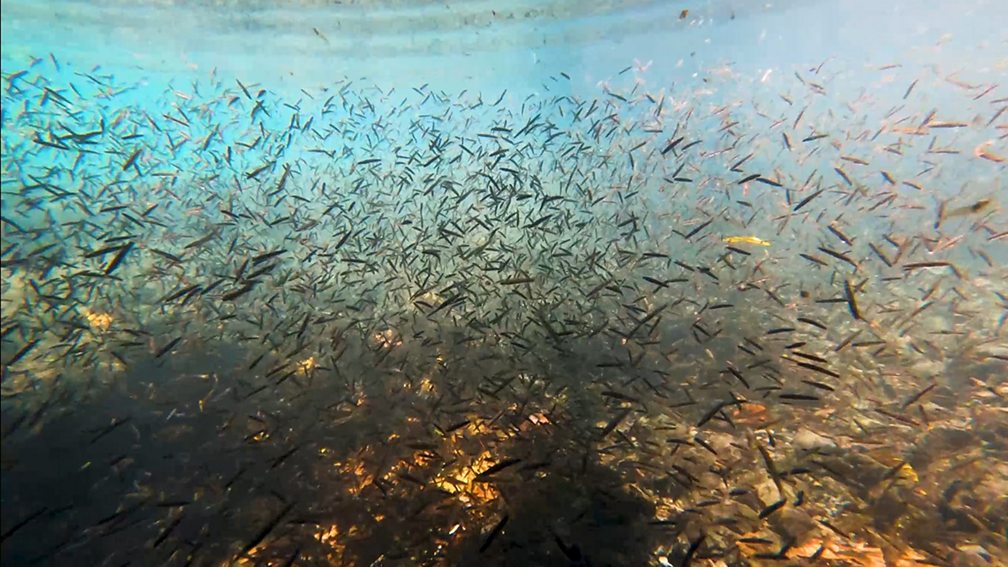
{"x": 367, "y": 326}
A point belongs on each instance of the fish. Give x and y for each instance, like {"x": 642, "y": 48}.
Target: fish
{"x": 131, "y": 159}
{"x": 266, "y": 530}
{"x": 976, "y": 208}
{"x": 442, "y": 305}
{"x": 494, "y": 532}
{"x": 745, "y": 240}
{"x": 697, "y": 229}
{"x": 801, "y": 204}
{"x": 118, "y": 258}
{"x": 851, "y": 300}
{"x": 506, "y": 463}
{"x": 770, "y": 509}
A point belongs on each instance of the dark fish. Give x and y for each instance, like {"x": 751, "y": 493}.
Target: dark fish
{"x": 263, "y": 257}
{"x": 806, "y": 200}
{"x": 171, "y": 344}
{"x": 851, "y": 300}
{"x": 116, "y": 423}
{"x": 166, "y": 532}
{"x": 266, "y": 530}
{"x": 817, "y": 368}
{"x": 22, "y": 523}
{"x": 839, "y": 256}
{"x": 671, "y": 145}
{"x": 692, "y": 549}
{"x": 700, "y": 227}
{"x": 914, "y": 398}
{"x": 23, "y": 352}
{"x": 910, "y": 89}
{"x": 836, "y": 232}
{"x": 119, "y": 257}
{"x": 485, "y": 475}
{"x": 131, "y": 159}
{"x": 766, "y": 512}
{"x": 516, "y": 281}
{"x": 798, "y": 397}
{"x": 614, "y": 422}
{"x": 235, "y": 294}
{"x": 497, "y": 529}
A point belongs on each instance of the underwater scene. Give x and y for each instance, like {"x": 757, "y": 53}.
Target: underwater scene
{"x": 558, "y": 283}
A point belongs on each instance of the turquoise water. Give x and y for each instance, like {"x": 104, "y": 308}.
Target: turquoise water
{"x": 465, "y": 45}
{"x": 557, "y": 283}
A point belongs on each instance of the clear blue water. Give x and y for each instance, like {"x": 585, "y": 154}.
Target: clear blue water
{"x": 465, "y": 45}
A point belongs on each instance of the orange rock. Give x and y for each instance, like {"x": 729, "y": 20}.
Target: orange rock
{"x": 751, "y": 413}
